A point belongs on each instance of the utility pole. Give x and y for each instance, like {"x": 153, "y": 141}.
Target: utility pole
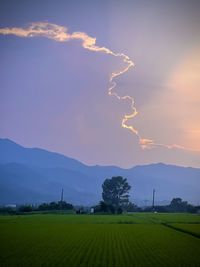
{"x": 153, "y": 199}
{"x": 61, "y": 196}
{"x": 61, "y": 199}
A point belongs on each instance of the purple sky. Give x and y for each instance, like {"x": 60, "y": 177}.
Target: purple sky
{"x": 54, "y": 95}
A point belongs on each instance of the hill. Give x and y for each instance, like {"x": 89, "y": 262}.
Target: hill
{"x": 33, "y": 175}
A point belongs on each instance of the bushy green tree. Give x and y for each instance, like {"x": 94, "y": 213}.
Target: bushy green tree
{"x": 102, "y": 207}
{"x": 177, "y": 204}
{"x": 115, "y": 192}
{"x": 25, "y": 208}
{"x": 131, "y": 207}
{"x": 56, "y": 206}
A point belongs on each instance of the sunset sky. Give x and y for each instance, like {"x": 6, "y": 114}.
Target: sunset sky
{"x": 54, "y": 94}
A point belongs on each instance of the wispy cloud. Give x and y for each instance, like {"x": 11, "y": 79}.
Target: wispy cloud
{"x": 60, "y": 34}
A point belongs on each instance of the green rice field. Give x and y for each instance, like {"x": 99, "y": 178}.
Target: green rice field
{"x": 138, "y": 239}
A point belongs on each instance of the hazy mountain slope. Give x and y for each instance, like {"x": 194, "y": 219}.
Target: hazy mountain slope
{"x": 35, "y": 175}
{"x": 12, "y": 152}
{"x": 168, "y": 180}
{"x": 19, "y": 184}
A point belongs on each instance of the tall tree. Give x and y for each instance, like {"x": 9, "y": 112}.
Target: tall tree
{"x": 177, "y": 204}
{"x": 115, "y": 192}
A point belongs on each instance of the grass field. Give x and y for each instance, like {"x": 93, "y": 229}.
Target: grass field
{"x": 140, "y": 239}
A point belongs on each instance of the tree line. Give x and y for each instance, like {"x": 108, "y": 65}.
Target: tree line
{"x": 115, "y": 200}
{"x": 115, "y": 197}
{"x": 52, "y": 206}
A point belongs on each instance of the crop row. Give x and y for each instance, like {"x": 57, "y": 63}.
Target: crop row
{"x": 26, "y": 243}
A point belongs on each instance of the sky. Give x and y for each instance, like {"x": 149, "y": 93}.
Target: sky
{"x": 54, "y": 94}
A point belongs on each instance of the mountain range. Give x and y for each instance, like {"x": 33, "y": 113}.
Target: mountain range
{"x": 34, "y": 175}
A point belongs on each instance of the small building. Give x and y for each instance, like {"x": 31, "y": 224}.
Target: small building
{"x": 92, "y": 210}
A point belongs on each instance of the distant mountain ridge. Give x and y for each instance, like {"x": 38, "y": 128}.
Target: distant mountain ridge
{"x": 33, "y": 175}
{"x": 12, "y": 152}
